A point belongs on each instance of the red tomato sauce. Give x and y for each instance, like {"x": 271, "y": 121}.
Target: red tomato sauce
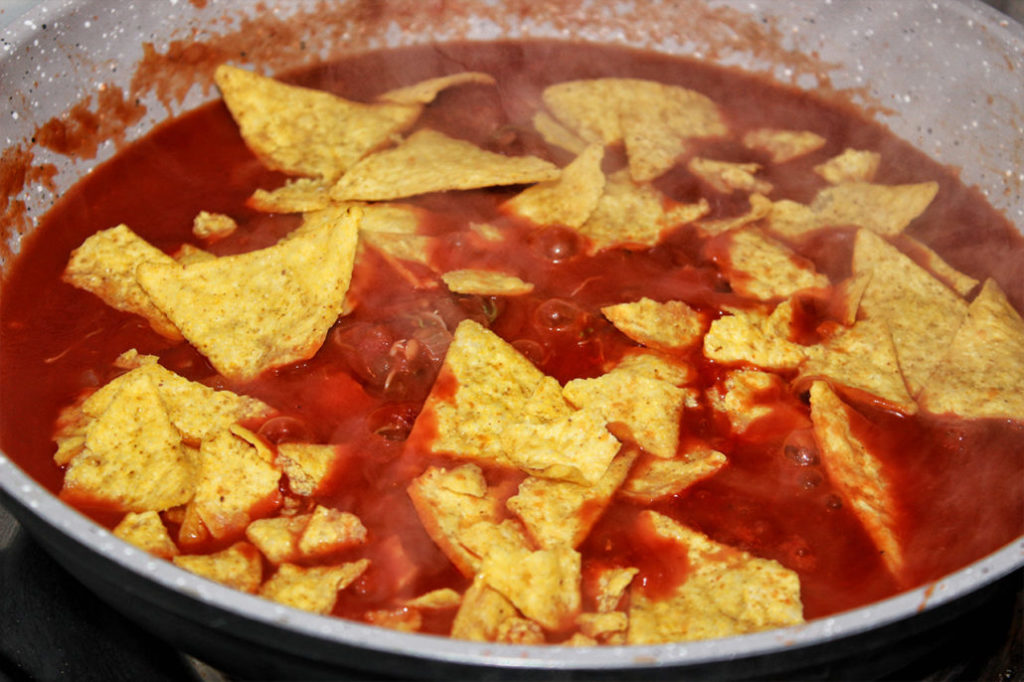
{"x": 959, "y": 485}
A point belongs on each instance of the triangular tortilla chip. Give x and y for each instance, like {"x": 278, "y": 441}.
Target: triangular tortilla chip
{"x": 239, "y": 566}
{"x": 760, "y": 267}
{"x": 263, "y": 309}
{"x": 570, "y": 199}
{"x": 729, "y": 176}
{"x": 307, "y": 132}
{"x": 428, "y": 161}
{"x": 853, "y": 165}
{"x": 426, "y": 91}
{"x": 783, "y": 145}
{"x": 856, "y": 473}
{"x": 654, "y": 478}
{"x": 294, "y": 196}
{"x": 485, "y": 283}
{"x": 667, "y": 326}
{"x": 755, "y": 338}
{"x": 982, "y": 376}
{"x": 922, "y": 313}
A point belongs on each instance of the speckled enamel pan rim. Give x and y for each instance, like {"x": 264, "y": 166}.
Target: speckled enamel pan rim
{"x": 78, "y": 529}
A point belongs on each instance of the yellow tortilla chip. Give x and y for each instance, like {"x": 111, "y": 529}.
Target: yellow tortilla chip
{"x": 208, "y": 225}
{"x": 556, "y": 134}
{"x": 492, "y": 381}
{"x": 188, "y": 254}
{"x": 570, "y": 199}
{"x": 726, "y": 592}
{"x": 655, "y": 120}
{"x": 263, "y": 309}
{"x": 428, "y": 161}
{"x": 856, "y": 473}
{"x": 729, "y": 176}
{"x": 761, "y": 207}
{"x": 922, "y": 313}
{"x": 313, "y": 588}
{"x": 561, "y": 513}
{"x": 485, "y": 283}
{"x": 668, "y": 326}
{"x": 654, "y": 478}
{"x": 933, "y": 262}
{"x": 483, "y": 537}
{"x": 450, "y": 501}
{"x": 982, "y": 375}
{"x": 602, "y": 626}
{"x": 277, "y": 538}
{"x": 783, "y": 145}
{"x": 852, "y": 165}
{"x": 650, "y": 407}
{"x": 544, "y": 585}
{"x": 482, "y": 612}
{"x": 740, "y": 396}
{"x": 105, "y": 265}
{"x": 236, "y": 475}
{"x": 146, "y": 531}
{"x": 635, "y": 215}
{"x": 847, "y": 297}
{"x": 862, "y": 358}
{"x": 331, "y": 530}
{"x": 297, "y": 195}
{"x": 441, "y": 599}
{"x": 307, "y": 132}
{"x": 885, "y": 209}
{"x": 610, "y": 585}
{"x": 751, "y": 337}
{"x": 239, "y": 566}
{"x": 132, "y": 455}
{"x": 306, "y": 465}
{"x": 760, "y": 267}
{"x": 657, "y": 366}
{"x": 424, "y": 92}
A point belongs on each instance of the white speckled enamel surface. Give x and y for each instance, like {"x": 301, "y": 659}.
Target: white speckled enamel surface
{"x": 947, "y": 76}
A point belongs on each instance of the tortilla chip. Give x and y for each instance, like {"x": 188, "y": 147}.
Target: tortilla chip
{"x": 853, "y": 165}
{"x": 307, "y": 132}
{"x": 277, "y": 538}
{"x": 239, "y": 566}
{"x": 492, "y": 384}
{"x": 544, "y": 585}
{"x": 669, "y": 326}
{"x": 485, "y": 283}
{"x": 424, "y": 92}
{"x": 783, "y": 145}
{"x": 556, "y": 134}
{"x": 729, "y": 176}
{"x": 982, "y": 375}
{"x": 761, "y": 207}
{"x": 635, "y": 215}
{"x": 187, "y": 254}
{"x": 601, "y": 626}
{"x": 329, "y": 531}
{"x": 659, "y": 367}
{"x": 482, "y": 611}
{"x": 933, "y": 262}
{"x": 263, "y": 309}
{"x": 297, "y": 195}
{"x": 740, "y": 396}
{"x": 517, "y": 630}
{"x": 437, "y": 600}
{"x": 561, "y": 513}
{"x": 609, "y": 586}
{"x": 656, "y": 121}
{"x": 213, "y": 226}
{"x": 450, "y": 501}
{"x": 314, "y": 588}
{"x": 650, "y": 407}
{"x": 428, "y": 161}
{"x": 146, "y": 531}
{"x": 884, "y": 209}
{"x": 570, "y": 199}
{"x": 306, "y": 465}
{"x": 654, "y": 478}
{"x": 862, "y": 358}
{"x": 751, "y": 337}
{"x": 922, "y": 313}
{"x": 726, "y": 592}
{"x": 847, "y": 296}
{"x": 105, "y": 265}
{"x": 133, "y": 457}
{"x": 403, "y": 618}
{"x": 483, "y": 537}
{"x": 760, "y": 267}
{"x": 236, "y": 476}
{"x": 856, "y": 473}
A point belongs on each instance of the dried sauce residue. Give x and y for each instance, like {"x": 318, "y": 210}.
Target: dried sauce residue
{"x": 80, "y": 131}
{"x": 17, "y": 172}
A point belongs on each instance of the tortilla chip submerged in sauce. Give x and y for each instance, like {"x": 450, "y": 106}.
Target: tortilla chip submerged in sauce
{"x": 632, "y": 362}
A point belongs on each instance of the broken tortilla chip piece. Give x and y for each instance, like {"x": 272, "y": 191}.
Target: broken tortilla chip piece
{"x": 424, "y": 92}
{"x": 982, "y": 375}
{"x": 726, "y": 591}
{"x": 313, "y": 588}
{"x": 485, "y": 283}
{"x": 557, "y": 135}
{"x": 744, "y": 396}
{"x": 933, "y": 262}
{"x": 330, "y": 530}
{"x": 146, "y": 531}
{"x": 263, "y": 309}
{"x": 856, "y": 473}
{"x": 307, "y": 465}
{"x": 922, "y": 313}
{"x": 783, "y": 145}
{"x": 543, "y": 584}
{"x": 729, "y": 176}
{"x": 760, "y": 267}
{"x": 481, "y": 613}
{"x": 307, "y": 132}
{"x": 884, "y": 209}
{"x": 654, "y": 478}
{"x": 761, "y": 207}
{"x": 105, "y": 265}
{"x": 862, "y": 358}
{"x": 667, "y": 326}
{"x": 570, "y": 199}
{"x": 298, "y": 195}
{"x": 755, "y": 338}
{"x": 852, "y": 165}
{"x": 239, "y": 566}
{"x": 429, "y": 161}
{"x": 213, "y": 226}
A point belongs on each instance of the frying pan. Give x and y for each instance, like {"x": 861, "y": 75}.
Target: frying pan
{"x": 947, "y": 76}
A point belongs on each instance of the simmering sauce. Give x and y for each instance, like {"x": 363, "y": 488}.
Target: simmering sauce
{"x": 959, "y": 485}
